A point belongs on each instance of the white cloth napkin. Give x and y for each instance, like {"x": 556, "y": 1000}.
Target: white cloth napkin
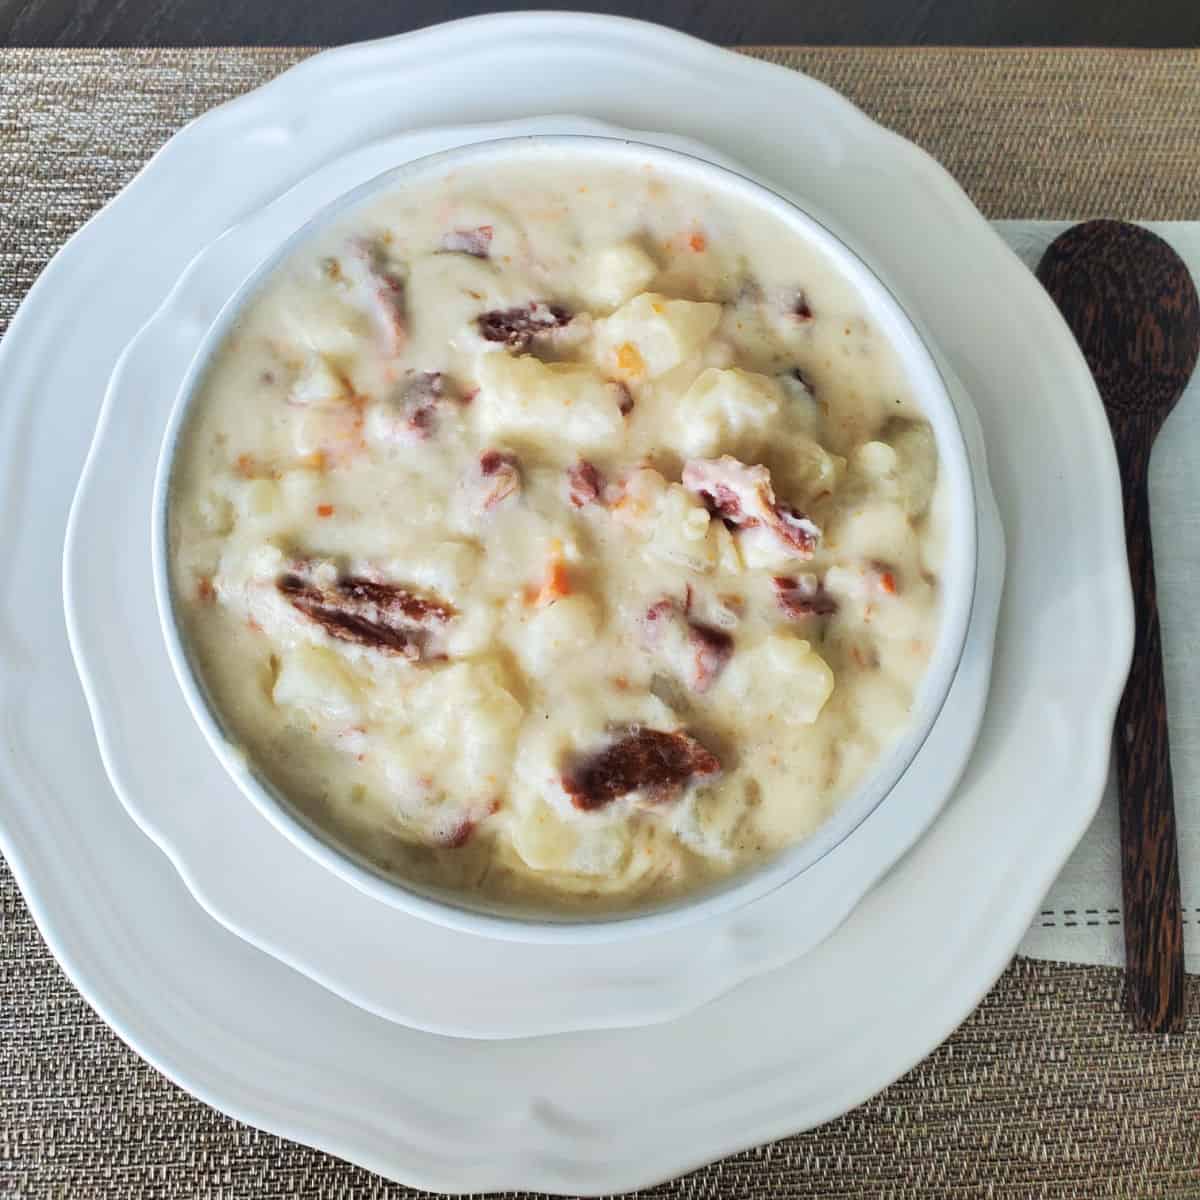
{"x": 1080, "y": 919}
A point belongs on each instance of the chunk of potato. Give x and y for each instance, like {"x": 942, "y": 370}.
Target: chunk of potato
{"x": 876, "y": 459}
{"x": 448, "y": 567}
{"x": 321, "y": 323}
{"x": 318, "y": 382}
{"x": 784, "y": 672}
{"x": 334, "y": 430}
{"x": 557, "y": 631}
{"x": 707, "y": 821}
{"x": 727, "y": 412}
{"x": 301, "y": 491}
{"x": 215, "y": 513}
{"x": 464, "y": 286}
{"x": 523, "y": 396}
{"x": 901, "y": 466}
{"x": 677, "y": 527}
{"x": 464, "y": 722}
{"x": 650, "y": 334}
{"x": 681, "y": 531}
{"x": 809, "y": 472}
{"x": 874, "y": 529}
{"x": 728, "y": 557}
{"x": 585, "y": 847}
{"x": 612, "y": 274}
{"x": 642, "y": 491}
{"x": 917, "y": 465}
{"x": 257, "y": 498}
{"x": 318, "y": 683}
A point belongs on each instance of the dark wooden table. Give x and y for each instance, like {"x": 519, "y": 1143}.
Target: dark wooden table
{"x": 733, "y": 22}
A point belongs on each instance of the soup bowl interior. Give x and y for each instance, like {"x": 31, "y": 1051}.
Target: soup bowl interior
{"x": 474, "y": 914}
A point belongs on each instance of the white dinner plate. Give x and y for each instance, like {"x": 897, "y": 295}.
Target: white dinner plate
{"x": 598, "y": 1111}
{"x": 261, "y": 885}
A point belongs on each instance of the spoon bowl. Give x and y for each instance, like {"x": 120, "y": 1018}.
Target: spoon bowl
{"x": 1132, "y": 305}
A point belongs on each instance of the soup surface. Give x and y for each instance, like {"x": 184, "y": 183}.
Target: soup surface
{"x": 559, "y": 531}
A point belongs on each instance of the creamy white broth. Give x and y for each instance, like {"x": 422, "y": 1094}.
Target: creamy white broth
{"x": 560, "y": 532}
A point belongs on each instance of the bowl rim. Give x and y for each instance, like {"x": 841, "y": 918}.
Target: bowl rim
{"x": 450, "y": 908}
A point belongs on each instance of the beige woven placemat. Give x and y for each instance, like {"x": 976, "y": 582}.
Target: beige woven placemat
{"x": 1044, "y": 1092}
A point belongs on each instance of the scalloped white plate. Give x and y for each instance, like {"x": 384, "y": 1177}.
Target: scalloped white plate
{"x": 600, "y": 1111}
{"x": 263, "y": 886}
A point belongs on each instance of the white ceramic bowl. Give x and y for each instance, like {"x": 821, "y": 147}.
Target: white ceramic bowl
{"x": 958, "y": 576}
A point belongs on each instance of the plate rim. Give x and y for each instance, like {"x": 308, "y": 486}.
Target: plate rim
{"x": 1010, "y": 919}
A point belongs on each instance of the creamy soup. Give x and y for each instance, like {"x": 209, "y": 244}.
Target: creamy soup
{"x": 558, "y": 531}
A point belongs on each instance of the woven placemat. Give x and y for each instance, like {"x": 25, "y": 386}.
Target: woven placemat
{"x": 1044, "y": 1091}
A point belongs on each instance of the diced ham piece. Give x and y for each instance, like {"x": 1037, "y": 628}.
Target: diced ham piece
{"x": 476, "y": 242}
{"x": 655, "y": 763}
{"x": 698, "y": 652}
{"x": 795, "y": 529}
{"x": 658, "y": 617}
{"x": 712, "y": 649}
{"x": 420, "y": 395}
{"x": 743, "y": 498}
{"x": 585, "y": 483}
{"x": 383, "y": 291}
{"x": 414, "y": 409}
{"x": 517, "y": 327}
{"x": 368, "y": 612}
{"x": 803, "y": 596}
{"x": 500, "y": 473}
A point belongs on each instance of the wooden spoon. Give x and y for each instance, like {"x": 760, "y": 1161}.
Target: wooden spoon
{"x": 1132, "y": 306}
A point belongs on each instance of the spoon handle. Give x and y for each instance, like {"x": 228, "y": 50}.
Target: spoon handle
{"x": 1149, "y": 851}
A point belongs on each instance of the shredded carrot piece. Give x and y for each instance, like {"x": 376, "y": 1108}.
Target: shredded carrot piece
{"x": 555, "y": 584}
{"x": 324, "y": 510}
{"x": 698, "y": 242}
{"x": 629, "y": 359}
{"x": 887, "y": 581}
{"x": 245, "y": 466}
